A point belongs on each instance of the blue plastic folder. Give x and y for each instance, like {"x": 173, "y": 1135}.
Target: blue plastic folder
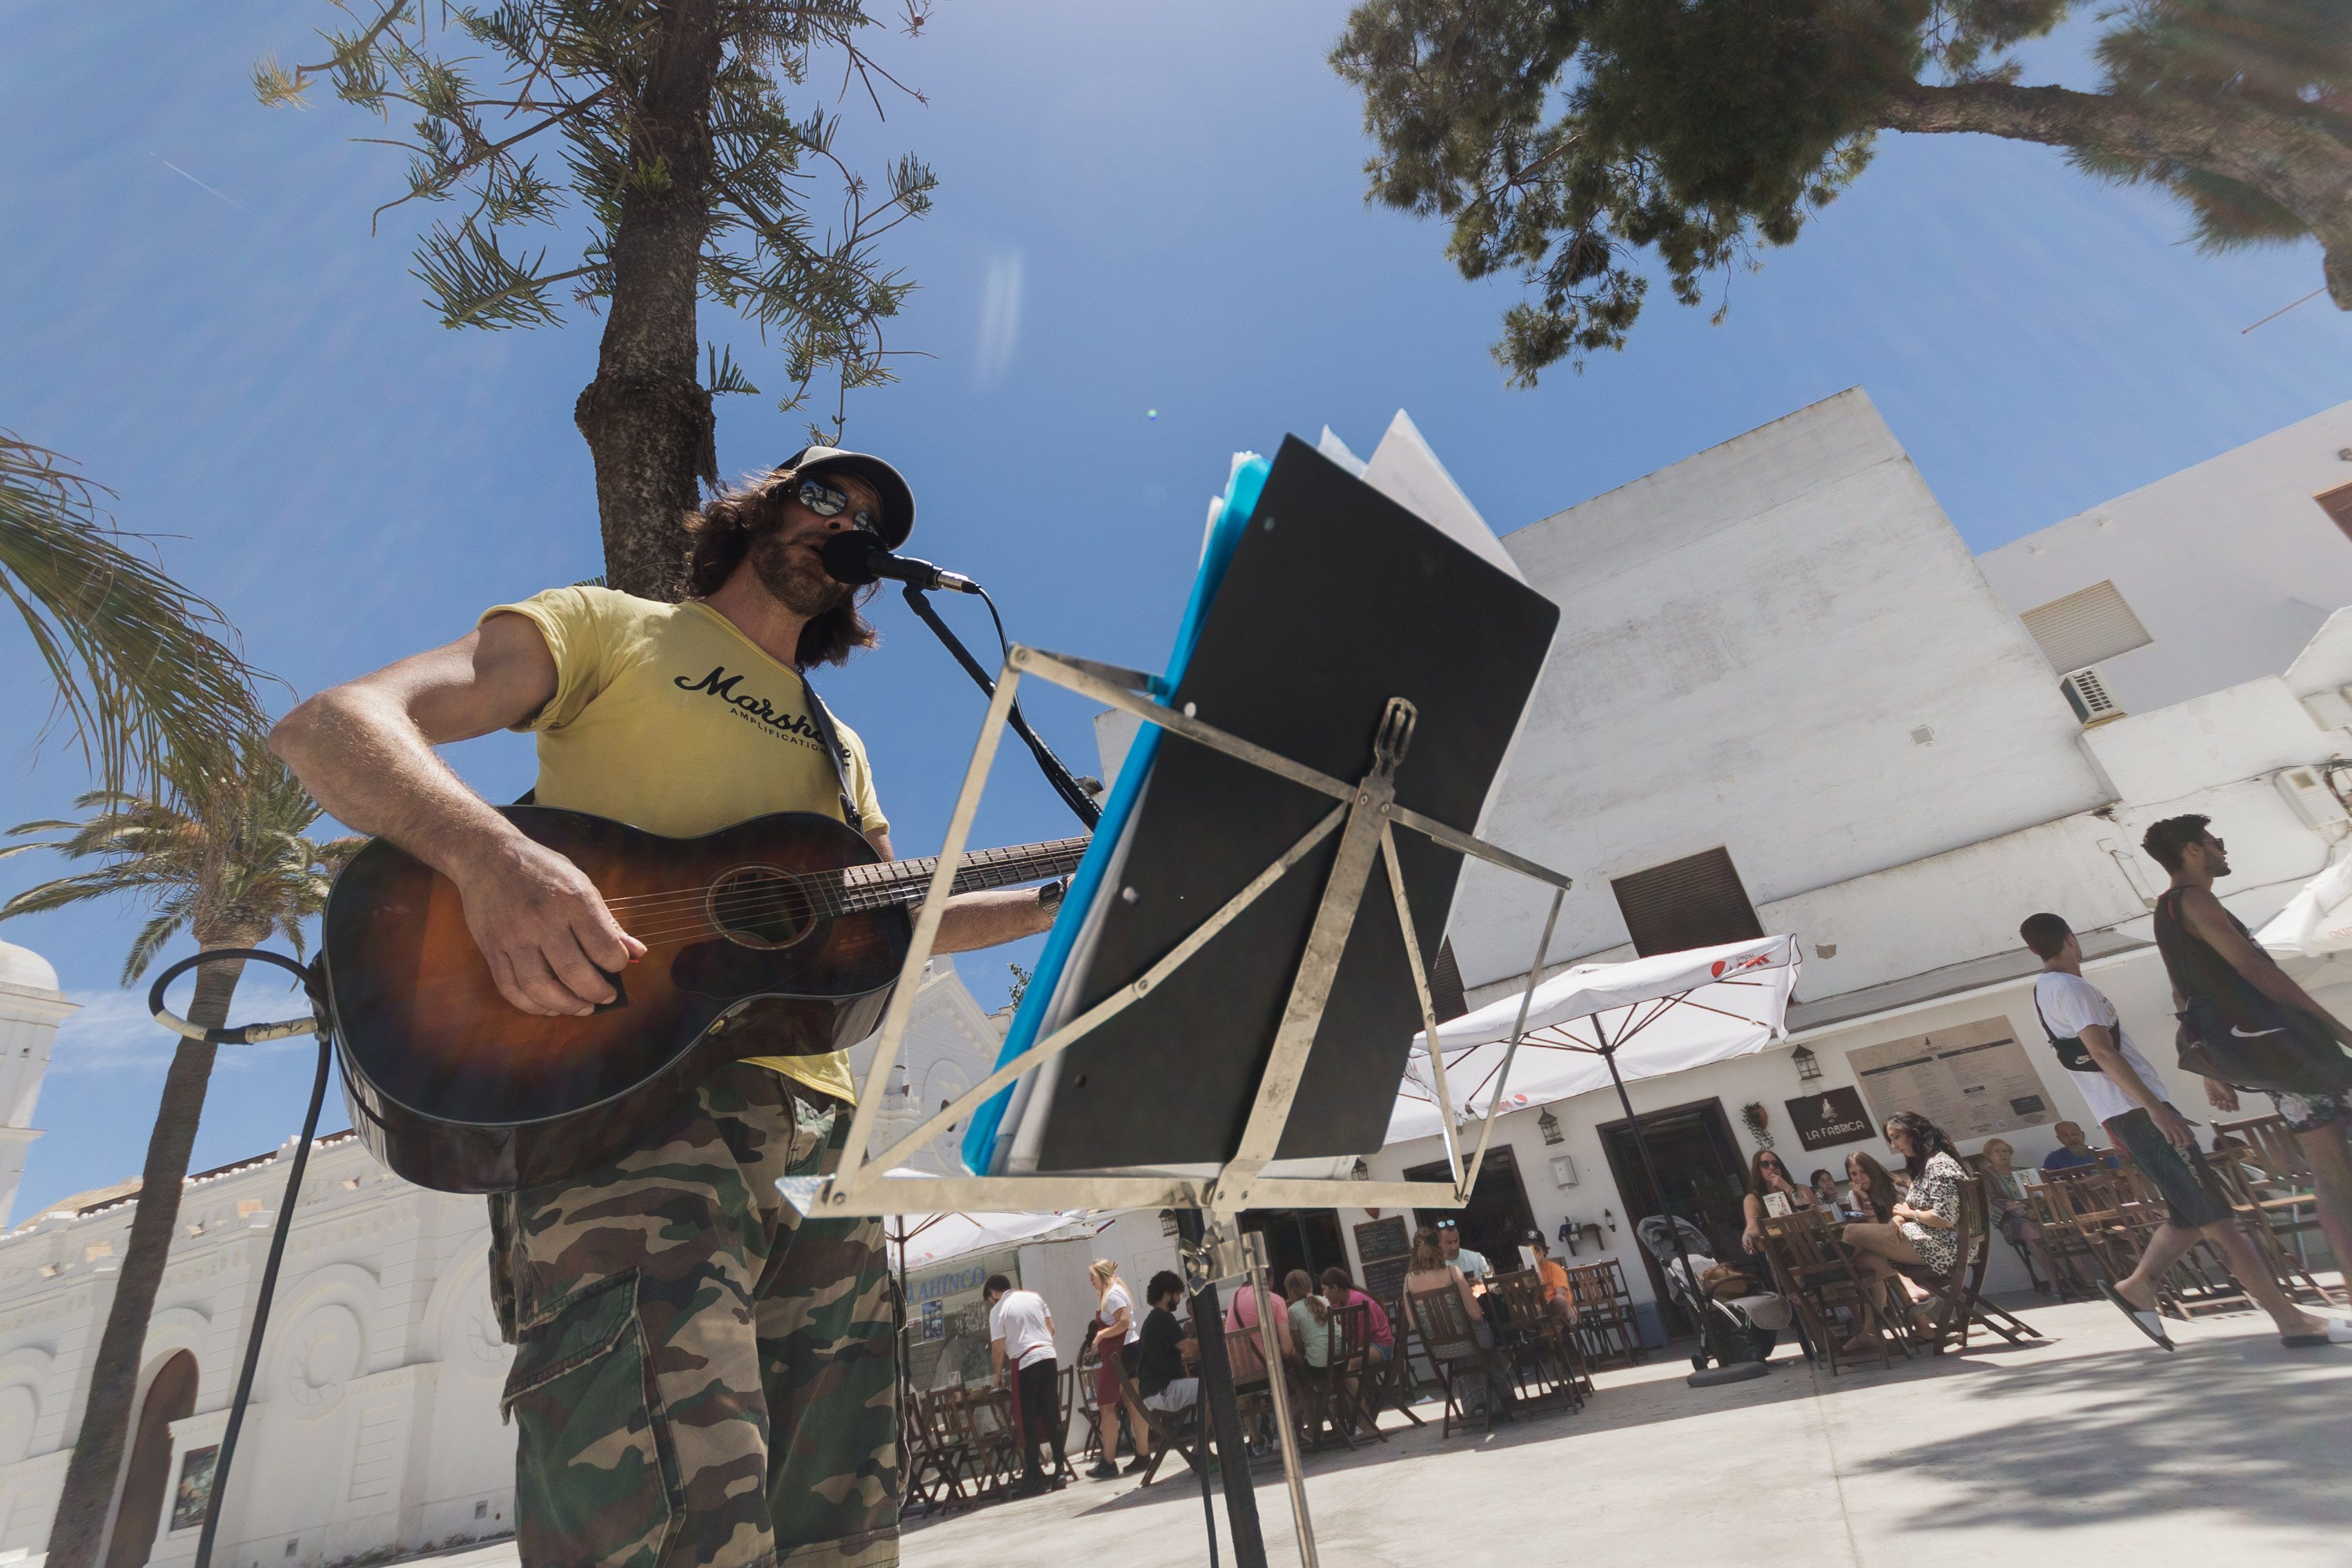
{"x": 980, "y": 1152}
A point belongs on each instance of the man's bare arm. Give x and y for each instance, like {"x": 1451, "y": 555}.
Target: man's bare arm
{"x": 981, "y": 920}
{"x": 2211, "y": 923}
{"x": 364, "y": 748}
{"x": 2100, "y": 1041}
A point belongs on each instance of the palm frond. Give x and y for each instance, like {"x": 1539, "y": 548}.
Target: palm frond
{"x": 144, "y": 667}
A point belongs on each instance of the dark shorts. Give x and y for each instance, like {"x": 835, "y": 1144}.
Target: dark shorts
{"x": 2192, "y": 1194}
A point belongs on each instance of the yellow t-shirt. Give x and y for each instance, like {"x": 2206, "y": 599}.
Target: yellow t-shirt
{"x": 668, "y": 717}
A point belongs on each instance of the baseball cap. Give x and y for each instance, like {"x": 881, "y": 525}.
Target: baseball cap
{"x": 897, "y": 499}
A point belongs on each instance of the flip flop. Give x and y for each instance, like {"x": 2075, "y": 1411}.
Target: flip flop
{"x": 2151, "y": 1324}
{"x": 2340, "y": 1332}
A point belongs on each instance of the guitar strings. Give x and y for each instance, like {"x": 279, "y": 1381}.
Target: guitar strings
{"x": 894, "y": 872}
{"x": 782, "y": 889}
{"x": 745, "y": 905}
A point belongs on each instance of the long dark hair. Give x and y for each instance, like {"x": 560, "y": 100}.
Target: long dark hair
{"x": 1927, "y": 1141}
{"x": 1755, "y": 1172}
{"x": 1881, "y": 1185}
{"x": 722, "y": 534}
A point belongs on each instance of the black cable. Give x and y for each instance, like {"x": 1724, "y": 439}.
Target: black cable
{"x": 1057, "y": 772}
{"x": 310, "y": 985}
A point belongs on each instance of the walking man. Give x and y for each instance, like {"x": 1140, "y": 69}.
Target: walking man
{"x": 1021, "y": 1348}
{"x": 2209, "y": 954}
{"x": 2123, "y": 1093}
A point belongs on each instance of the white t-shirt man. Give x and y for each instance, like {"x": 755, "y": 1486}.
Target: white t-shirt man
{"x": 1019, "y": 1320}
{"x": 2071, "y": 1004}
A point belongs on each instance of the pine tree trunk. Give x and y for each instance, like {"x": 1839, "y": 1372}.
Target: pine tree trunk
{"x": 647, "y": 417}
{"x": 97, "y": 1463}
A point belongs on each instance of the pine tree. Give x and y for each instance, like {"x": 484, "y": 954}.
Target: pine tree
{"x": 673, "y": 127}
{"x": 1584, "y": 142}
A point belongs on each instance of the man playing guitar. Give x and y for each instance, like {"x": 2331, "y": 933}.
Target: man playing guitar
{"x": 701, "y": 1377}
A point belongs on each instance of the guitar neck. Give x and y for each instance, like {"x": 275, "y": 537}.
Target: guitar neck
{"x": 906, "y": 881}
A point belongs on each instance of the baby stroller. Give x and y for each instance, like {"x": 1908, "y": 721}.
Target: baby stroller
{"x": 1741, "y": 1331}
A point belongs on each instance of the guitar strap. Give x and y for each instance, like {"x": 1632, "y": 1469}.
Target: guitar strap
{"x": 829, "y": 737}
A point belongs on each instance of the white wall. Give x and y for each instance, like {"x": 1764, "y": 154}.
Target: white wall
{"x": 1779, "y": 645}
{"x": 2230, "y": 565}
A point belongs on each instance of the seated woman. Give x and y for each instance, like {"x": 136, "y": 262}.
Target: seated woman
{"x": 1427, "y": 1270}
{"x": 1869, "y": 1190}
{"x": 1765, "y": 1174}
{"x": 1825, "y": 1190}
{"x": 1925, "y": 1228}
{"x": 2012, "y": 1216}
{"x": 1310, "y": 1319}
{"x": 1243, "y": 1351}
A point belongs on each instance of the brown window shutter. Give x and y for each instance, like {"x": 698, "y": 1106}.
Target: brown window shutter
{"x": 1696, "y": 902}
{"x": 2337, "y": 504}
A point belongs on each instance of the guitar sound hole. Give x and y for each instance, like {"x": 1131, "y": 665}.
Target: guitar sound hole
{"x": 759, "y": 906}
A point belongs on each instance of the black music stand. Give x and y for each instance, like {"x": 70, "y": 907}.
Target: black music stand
{"x": 1364, "y": 817}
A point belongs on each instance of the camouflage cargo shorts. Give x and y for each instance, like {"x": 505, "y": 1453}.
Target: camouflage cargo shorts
{"x": 701, "y": 1378}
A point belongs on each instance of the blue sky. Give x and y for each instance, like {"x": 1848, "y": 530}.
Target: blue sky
{"x": 1142, "y": 208}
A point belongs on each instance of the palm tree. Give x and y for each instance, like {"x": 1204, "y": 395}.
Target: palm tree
{"x": 143, "y": 668}
{"x": 223, "y": 855}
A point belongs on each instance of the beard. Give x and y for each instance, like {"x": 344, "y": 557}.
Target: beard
{"x": 792, "y": 578}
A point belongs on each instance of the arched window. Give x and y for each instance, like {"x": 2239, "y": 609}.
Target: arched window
{"x": 171, "y": 1397}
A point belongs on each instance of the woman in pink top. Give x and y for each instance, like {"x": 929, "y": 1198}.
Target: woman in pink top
{"x": 1339, "y": 1289}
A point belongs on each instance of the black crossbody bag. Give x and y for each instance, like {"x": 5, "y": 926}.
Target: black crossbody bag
{"x": 2072, "y": 1054}
{"x": 2292, "y": 1055}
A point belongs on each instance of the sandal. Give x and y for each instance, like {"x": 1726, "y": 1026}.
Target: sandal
{"x": 2337, "y": 1333}
{"x": 2148, "y": 1322}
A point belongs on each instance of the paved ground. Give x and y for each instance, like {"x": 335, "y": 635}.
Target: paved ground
{"x": 2094, "y": 1449}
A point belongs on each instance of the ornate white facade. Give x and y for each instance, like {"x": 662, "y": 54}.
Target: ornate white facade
{"x": 374, "y": 1430}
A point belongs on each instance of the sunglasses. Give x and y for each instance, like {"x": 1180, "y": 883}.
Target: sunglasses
{"x": 825, "y": 502}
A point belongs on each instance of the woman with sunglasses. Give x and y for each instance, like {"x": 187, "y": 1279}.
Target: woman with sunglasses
{"x": 1768, "y": 1173}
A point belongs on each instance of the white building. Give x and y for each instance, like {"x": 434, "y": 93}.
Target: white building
{"x": 31, "y": 1008}
{"x": 375, "y": 1428}
{"x": 1785, "y": 698}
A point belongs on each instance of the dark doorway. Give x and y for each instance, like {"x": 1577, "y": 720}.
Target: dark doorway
{"x": 171, "y": 1397}
{"x": 1698, "y": 1161}
{"x": 1298, "y": 1238}
{"x": 1496, "y": 1219}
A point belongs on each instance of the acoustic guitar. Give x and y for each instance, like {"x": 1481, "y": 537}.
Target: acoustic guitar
{"x": 778, "y": 936}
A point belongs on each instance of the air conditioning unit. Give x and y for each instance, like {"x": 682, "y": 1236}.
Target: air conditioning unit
{"x": 2087, "y": 695}
{"x": 2314, "y": 804}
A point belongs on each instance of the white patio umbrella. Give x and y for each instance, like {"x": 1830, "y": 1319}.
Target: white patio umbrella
{"x": 1599, "y": 1024}
{"x": 1602, "y": 1024}
{"x": 2318, "y": 921}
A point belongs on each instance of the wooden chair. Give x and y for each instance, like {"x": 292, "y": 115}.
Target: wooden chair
{"x": 1451, "y": 1343}
{"x": 936, "y": 1462}
{"x": 1333, "y": 1389}
{"x": 2076, "y": 1265}
{"x": 1178, "y": 1433}
{"x": 1814, "y": 1270}
{"x": 1608, "y": 1334}
{"x": 1539, "y": 1349}
{"x": 2282, "y": 1203}
{"x": 1079, "y": 1401}
{"x": 1958, "y": 1291}
{"x": 1390, "y": 1383}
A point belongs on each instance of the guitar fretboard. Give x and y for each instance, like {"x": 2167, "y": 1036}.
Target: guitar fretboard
{"x": 906, "y": 881}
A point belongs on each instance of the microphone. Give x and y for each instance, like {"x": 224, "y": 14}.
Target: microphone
{"x": 857, "y": 558}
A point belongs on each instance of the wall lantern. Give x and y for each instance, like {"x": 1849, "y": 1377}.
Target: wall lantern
{"x": 1360, "y": 1171}
{"x": 1809, "y": 1065}
{"x": 1549, "y": 1125}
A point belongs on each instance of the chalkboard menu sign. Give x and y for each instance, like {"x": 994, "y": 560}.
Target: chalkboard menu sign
{"x": 1382, "y": 1244}
{"x": 1381, "y": 1239}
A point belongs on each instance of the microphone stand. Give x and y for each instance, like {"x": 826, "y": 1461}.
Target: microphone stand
{"x": 1057, "y": 774}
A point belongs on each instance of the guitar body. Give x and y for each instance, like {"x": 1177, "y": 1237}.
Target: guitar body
{"x": 751, "y": 954}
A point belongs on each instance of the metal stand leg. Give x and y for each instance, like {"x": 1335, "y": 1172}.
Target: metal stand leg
{"x": 1223, "y": 1418}
{"x": 1253, "y": 1244}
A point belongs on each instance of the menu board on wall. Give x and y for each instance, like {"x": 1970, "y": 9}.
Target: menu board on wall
{"x": 1972, "y": 1082}
{"x": 1382, "y": 1246}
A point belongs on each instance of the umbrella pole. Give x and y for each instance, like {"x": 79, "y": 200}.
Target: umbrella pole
{"x": 906, "y": 1325}
{"x": 1726, "y": 1371}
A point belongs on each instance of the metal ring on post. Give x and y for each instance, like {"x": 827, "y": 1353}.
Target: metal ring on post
{"x": 249, "y": 1033}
